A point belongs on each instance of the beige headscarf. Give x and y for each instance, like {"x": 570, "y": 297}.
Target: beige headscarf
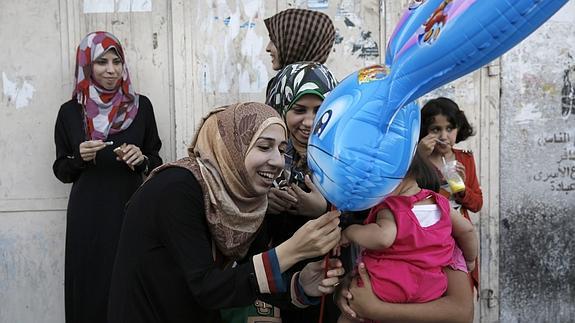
{"x": 234, "y": 211}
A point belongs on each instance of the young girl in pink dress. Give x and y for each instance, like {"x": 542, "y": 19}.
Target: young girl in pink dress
{"x": 409, "y": 238}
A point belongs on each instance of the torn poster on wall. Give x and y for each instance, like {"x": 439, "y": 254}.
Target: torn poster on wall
{"x": 568, "y": 93}
{"x": 109, "y": 6}
{"x": 560, "y": 174}
{"x": 20, "y": 96}
{"x": 338, "y": 36}
{"x": 234, "y": 64}
{"x": 317, "y": 4}
{"x": 345, "y": 9}
{"x": 366, "y": 46}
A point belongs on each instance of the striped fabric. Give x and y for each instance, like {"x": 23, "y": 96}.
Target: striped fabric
{"x": 301, "y": 35}
{"x": 268, "y": 274}
{"x": 298, "y": 296}
{"x": 271, "y": 281}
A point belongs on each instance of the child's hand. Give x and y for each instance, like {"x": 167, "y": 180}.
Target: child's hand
{"x": 460, "y": 169}
{"x": 344, "y": 240}
{"x": 426, "y": 145}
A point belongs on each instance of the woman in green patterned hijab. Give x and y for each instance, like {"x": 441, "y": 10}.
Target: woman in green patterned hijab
{"x": 297, "y": 93}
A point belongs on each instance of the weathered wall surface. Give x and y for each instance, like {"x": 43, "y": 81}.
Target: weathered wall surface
{"x": 31, "y": 216}
{"x": 538, "y": 175}
{"x": 186, "y": 56}
{"x": 189, "y": 56}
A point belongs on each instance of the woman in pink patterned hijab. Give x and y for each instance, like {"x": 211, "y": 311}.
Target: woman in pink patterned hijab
{"x": 108, "y": 107}
{"x": 106, "y": 141}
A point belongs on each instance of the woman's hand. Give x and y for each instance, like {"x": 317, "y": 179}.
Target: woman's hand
{"x": 315, "y": 238}
{"x": 312, "y": 279}
{"x": 455, "y": 306}
{"x": 362, "y": 300}
{"x": 311, "y": 204}
{"x": 426, "y": 145}
{"x": 88, "y": 149}
{"x": 133, "y": 156}
{"x": 342, "y": 296}
{"x": 280, "y": 201}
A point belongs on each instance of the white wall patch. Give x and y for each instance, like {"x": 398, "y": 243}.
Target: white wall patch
{"x": 134, "y": 5}
{"x": 19, "y": 96}
{"x": 527, "y": 114}
{"x": 98, "y": 6}
{"x": 108, "y": 6}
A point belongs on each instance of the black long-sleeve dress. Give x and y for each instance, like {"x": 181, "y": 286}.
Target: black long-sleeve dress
{"x": 96, "y": 205}
{"x": 165, "y": 269}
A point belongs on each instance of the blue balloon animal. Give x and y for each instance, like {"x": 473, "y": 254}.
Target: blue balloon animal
{"x": 366, "y": 131}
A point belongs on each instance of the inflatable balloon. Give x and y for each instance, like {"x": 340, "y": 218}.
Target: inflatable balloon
{"x": 365, "y": 132}
{"x": 412, "y": 19}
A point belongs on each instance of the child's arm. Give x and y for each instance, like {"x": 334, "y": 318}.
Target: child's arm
{"x": 374, "y": 236}
{"x": 464, "y": 233}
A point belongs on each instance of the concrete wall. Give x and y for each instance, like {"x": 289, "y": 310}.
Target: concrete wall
{"x": 538, "y": 175}
{"x": 186, "y": 56}
{"x": 189, "y": 56}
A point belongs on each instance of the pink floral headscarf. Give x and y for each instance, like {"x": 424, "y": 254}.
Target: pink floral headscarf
{"x": 106, "y": 111}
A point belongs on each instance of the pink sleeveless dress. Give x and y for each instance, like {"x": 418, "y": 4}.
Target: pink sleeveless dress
{"x": 410, "y": 270}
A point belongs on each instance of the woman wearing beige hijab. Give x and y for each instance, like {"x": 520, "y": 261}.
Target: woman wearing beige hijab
{"x": 193, "y": 241}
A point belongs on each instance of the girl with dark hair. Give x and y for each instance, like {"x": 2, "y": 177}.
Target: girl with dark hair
{"x": 409, "y": 238}
{"x": 443, "y": 125}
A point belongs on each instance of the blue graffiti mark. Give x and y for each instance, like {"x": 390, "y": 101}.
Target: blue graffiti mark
{"x": 248, "y": 25}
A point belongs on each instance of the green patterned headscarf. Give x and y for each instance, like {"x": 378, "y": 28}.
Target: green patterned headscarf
{"x": 296, "y": 80}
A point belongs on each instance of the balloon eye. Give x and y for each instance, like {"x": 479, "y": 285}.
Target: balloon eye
{"x": 323, "y": 121}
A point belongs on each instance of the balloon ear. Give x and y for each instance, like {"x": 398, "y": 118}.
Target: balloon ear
{"x": 416, "y": 14}
{"x": 459, "y": 37}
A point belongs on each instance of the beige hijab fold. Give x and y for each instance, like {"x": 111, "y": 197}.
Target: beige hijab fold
{"x": 234, "y": 211}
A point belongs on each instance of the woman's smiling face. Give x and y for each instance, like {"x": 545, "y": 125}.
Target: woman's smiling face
{"x": 265, "y": 160}
{"x": 107, "y": 70}
{"x": 272, "y": 49}
{"x": 299, "y": 119}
